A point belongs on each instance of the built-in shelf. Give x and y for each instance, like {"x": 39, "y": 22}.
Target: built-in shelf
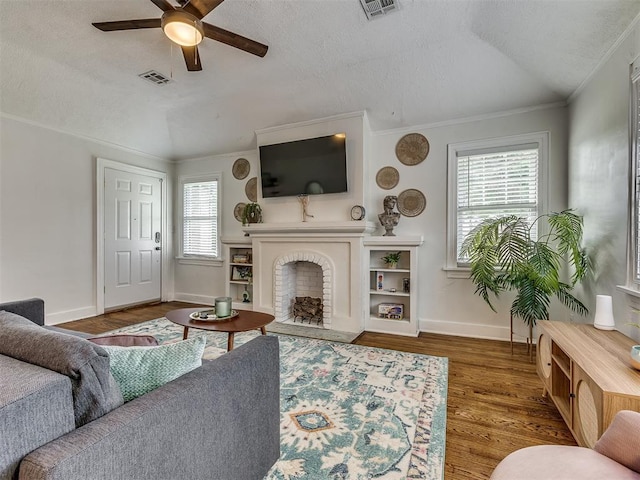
{"x": 238, "y": 288}
{"x": 402, "y": 279}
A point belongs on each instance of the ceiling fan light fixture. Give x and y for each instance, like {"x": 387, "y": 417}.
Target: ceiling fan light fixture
{"x": 182, "y": 28}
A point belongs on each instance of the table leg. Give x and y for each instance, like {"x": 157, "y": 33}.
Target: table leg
{"x": 263, "y": 330}
{"x": 185, "y": 334}
{"x": 230, "y": 342}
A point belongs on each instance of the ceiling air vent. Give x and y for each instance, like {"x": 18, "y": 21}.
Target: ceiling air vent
{"x": 155, "y": 77}
{"x": 377, "y": 8}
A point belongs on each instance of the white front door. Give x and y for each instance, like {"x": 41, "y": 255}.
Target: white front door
{"x": 132, "y": 238}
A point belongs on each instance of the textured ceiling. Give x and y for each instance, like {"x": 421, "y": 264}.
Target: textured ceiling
{"x": 431, "y": 61}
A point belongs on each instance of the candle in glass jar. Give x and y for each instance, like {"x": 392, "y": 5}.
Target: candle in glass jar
{"x": 223, "y": 306}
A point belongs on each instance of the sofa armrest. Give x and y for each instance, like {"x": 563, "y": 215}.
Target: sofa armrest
{"x": 220, "y": 421}
{"x": 31, "y": 309}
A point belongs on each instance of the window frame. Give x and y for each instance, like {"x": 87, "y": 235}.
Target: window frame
{"x": 633, "y": 277}
{"x": 199, "y": 259}
{"x": 453, "y": 268}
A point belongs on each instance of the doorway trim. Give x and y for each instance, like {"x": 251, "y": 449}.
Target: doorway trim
{"x": 101, "y": 165}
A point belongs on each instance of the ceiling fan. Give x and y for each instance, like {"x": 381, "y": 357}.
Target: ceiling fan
{"x": 184, "y": 26}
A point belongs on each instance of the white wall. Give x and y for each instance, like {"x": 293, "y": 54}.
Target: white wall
{"x": 201, "y": 282}
{"x": 598, "y": 172}
{"x": 448, "y": 305}
{"x": 48, "y": 215}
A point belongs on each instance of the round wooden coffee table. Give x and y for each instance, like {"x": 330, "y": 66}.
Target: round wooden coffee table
{"x": 245, "y": 321}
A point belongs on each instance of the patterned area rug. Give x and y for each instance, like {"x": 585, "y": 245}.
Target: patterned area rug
{"x": 347, "y": 411}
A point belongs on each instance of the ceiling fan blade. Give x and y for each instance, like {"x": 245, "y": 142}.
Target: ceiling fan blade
{"x": 192, "y": 58}
{"x": 200, "y": 8}
{"x": 127, "y": 24}
{"x": 234, "y": 40}
{"x": 163, "y": 5}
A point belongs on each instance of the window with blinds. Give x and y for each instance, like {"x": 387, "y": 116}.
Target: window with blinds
{"x": 635, "y": 159}
{"x": 200, "y": 218}
{"x": 496, "y": 182}
{"x": 490, "y": 178}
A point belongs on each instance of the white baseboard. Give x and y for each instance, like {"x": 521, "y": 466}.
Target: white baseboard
{"x": 70, "y": 315}
{"x": 189, "y": 298}
{"x": 459, "y": 329}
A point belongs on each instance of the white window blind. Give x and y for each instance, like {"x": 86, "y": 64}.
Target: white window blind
{"x": 495, "y": 182}
{"x": 200, "y": 218}
{"x": 635, "y": 157}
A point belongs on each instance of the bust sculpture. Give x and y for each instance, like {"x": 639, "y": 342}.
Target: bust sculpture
{"x": 389, "y": 219}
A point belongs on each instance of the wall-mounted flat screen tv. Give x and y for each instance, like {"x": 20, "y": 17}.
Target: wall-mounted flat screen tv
{"x": 313, "y": 166}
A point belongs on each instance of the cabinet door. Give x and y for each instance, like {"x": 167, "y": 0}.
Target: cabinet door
{"x": 543, "y": 360}
{"x": 587, "y": 408}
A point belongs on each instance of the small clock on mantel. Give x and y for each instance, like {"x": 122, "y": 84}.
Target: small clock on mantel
{"x": 357, "y": 212}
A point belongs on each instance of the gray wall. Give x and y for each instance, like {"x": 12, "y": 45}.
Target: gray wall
{"x": 598, "y": 173}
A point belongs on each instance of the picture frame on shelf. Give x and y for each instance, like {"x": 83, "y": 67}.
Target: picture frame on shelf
{"x": 239, "y": 273}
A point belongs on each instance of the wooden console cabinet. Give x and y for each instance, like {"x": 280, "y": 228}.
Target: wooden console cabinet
{"x": 587, "y": 374}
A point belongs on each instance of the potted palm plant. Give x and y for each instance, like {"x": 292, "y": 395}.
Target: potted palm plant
{"x": 504, "y": 256}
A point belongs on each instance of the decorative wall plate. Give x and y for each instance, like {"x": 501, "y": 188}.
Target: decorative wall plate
{"x": 412, "y": 149}
{"x": 238, "y": 211}
{"x": 411, "y": 202}
{"x": 387, "y": 178}
{"x": 251, "y": 189}
{"x": 241, "y": 168}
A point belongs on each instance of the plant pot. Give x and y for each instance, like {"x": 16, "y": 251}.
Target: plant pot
{"x": 392, "y": 265}
{"x": 635, "y": 357}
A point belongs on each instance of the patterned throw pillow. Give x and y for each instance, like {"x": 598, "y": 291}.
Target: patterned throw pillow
{"x": 139, "y": 370}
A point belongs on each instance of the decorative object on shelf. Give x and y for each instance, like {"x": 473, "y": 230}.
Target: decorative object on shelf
{"x": 241, "y": 168}
{"x": 394, "y": 311}
{"x": 406, "y": 285}
{"x": 504, "y": 256}
{"x": 604, "y": 313}
{"x": 239, "y": 273}
{"x": 251, "y": 189}
{"x": 223, "y": 306}
{"x": 411, "y": 202}
{"x": 252, "y": 213}
{"x": 387, "y": 178}
{"x": 389, "y": 219}
{"x": 238, "y": 210}
{"x": 304, "y": 202}
{"x": 412, "y": 149}
{"x": 246, "y": 297}
{"x": 379, "y": 281}
{"x": 240, "y": 258}
{"x": 392, "y": 259}
{"x": 358, "y": 212}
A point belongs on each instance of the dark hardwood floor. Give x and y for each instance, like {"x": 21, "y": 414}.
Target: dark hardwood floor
{"x": 495, "y": 402}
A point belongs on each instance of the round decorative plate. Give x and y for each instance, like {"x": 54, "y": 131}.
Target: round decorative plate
{"x": 238, "y": 211}
{"x": 241, "y": 168}
{"x": 251, "y": 189}
{"x": 212, "y": 313}
{"x": 411, "y": 202}
{"x": 412, "y": 149}
{"x": 387, "y": 178}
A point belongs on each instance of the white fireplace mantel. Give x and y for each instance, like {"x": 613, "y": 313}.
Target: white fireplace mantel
{"x": 310, "y": 228}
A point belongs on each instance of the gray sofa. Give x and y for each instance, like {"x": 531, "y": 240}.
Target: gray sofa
{"x": 219, "y": 421}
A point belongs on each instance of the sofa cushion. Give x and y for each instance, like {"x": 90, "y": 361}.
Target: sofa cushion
{"x": 621, "y": 441}
{"x": 139, "y": 370}
{"x": 94, "y": 390}
{"x": 36, "y": 407}
{"x": 126, "y": 340}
